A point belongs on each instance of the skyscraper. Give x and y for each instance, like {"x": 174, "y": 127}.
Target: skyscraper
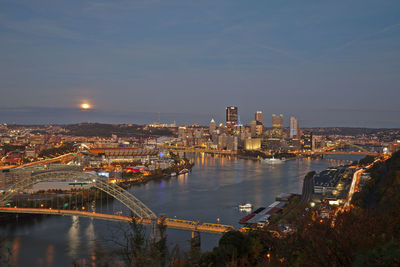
{"x": 294, "y": 128}
{"x": 277, "y": 126}
{"x": 231, "y": 116}
{"x": 213, "y": 126}
{"x": 253, "y": 125}
{"x": 307, "y": 141}
{"x": 258, "y": 116}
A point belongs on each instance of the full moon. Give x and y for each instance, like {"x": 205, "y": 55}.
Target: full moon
{"x": 85, "y": 106}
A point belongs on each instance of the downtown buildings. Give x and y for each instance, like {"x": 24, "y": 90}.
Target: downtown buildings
{"x": 255, "y": 136}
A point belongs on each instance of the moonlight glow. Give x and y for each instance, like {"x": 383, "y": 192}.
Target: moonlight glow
{"x": 85, "y": 106}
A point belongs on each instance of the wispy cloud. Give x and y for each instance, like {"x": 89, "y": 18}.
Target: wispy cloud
{"x": 41, "y": 27}
{"x": 279, "y": 51}
{"x": 367, "y": 36}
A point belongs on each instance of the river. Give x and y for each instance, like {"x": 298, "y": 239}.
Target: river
{"x": 211, "y": 192}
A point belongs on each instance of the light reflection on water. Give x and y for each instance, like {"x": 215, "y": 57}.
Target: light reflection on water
{"x": 74, "y": 238}
{"x": 214, "y": 189}
{"x": 90, "y": 237}
{"x": 50, "y": 255}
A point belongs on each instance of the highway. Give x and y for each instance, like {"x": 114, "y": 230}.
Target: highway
{"x": 68, "y": 156}
{"x": 354, "y": 182}
{"x": 308, "y": 189}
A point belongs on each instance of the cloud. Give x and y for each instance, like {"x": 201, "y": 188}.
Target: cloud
{"x": 367, "y": 36}
{"x": 279, "y": 51}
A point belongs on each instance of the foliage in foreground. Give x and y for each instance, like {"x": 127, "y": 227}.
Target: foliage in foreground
{"x": 365, "y": 236}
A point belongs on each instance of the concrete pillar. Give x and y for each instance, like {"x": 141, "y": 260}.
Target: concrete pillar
{"x": 157, "y": 229}
{"x": 195, "y": 242}
{"x": 155, "y": 235}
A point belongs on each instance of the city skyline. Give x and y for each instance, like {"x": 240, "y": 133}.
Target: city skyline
{"x": 199, "y": 133}
{"x": 61, "y": 116}
{"x": 326, "y": 63}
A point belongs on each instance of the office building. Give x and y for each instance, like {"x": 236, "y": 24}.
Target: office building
{"x": 259, "y": 116}
{"x": 231, "y": 116}
{"x": 239, "y": 128}
{"x": 294, "y": 128}
{"x": 213, "y": 126}
{"x": 253, "y": 125}
{"x": 259, "y": 129}
{"x": 307, "y": 139}
{"x": 253, "y": 144}
{"x": 277, "y": 126}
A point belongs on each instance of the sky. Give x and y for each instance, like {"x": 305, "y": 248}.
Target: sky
{"x": 328, "y": 63}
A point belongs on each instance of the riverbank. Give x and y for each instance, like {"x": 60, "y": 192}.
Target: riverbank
{"x": 257, "y": 155}
{"x": 156, "y": 175}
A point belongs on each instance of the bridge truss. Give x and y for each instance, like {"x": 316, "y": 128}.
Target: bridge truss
{"x": 137, "y": 207}
{"x": 342, "y": 143}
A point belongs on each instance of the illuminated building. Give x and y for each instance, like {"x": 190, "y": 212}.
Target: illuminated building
{"x": 259, "y": 116}
{"x": 253, "y": 125}
{"x": 277, "y": 126}
{"x": 231, "y": 116}
{"x": 213, "y": 126}
{"x": 271, "y": 144}
{"x": 259, "y": 129}
{"x": 294, "y": 128}
{"x": 221, "y": 129}
{"x": 253, "y": 144}
{"x": 239, "y": 127}
{"x": 182, "y": 133}
{"x": 307, "y": 140}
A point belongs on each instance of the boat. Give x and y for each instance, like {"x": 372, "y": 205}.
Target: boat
{"x": 173, "y": 174}
{"x": 245, "y": 206}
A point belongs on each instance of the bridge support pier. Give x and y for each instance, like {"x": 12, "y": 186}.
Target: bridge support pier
{"x": 157, "y": 229}
{"x": 155, "y": 234}
{"x": 195, "y": 242}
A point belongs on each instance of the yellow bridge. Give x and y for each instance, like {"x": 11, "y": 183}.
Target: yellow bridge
{"x": 200, "y": 150}
{"x": 212, "y": 228}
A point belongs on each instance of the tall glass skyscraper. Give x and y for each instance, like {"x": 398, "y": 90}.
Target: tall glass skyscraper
{"x": 231, "y": 116}
{"x": 294, "y": 128}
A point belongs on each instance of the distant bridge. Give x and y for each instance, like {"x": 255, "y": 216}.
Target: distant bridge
{"x": 333, "y": 150}
{"x": 362, "y": 153}
{"x": 200, "y": 150}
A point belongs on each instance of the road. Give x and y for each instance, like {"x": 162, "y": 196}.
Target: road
{"x": 308, "y": 189}
{"x": 68, "y": 156}
{"x": 354, "y": 182}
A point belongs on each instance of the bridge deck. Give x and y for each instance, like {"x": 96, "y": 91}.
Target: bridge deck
{"x": 211, "y": 228}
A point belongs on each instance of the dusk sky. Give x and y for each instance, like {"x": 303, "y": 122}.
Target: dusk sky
{"x": 328, "y": 63}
